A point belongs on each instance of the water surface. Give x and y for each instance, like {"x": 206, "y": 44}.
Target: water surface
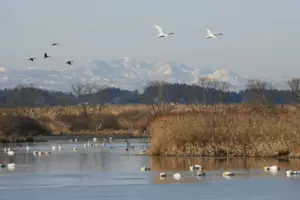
{"x": 110, "y": 172}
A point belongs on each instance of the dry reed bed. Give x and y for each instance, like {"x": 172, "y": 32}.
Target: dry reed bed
{"x": 227, "y": 131}
{"x": 127, "y": 119}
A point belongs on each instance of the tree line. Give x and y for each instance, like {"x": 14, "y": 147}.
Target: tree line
{"x": 206, "y": 91}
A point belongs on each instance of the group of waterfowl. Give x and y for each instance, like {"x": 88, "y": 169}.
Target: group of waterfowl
{"x": 85, "y": 145}
{"x": 199, "y": 172}
{"x": 198, "y": 169}
{"x": 10, "y": 165}
{"x": 69, "y": 62}
{"x": 58, "y": 147}
{"x": 275, "y": 168}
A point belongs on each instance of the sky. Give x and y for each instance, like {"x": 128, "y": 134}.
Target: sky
{"x": 260, "y": 38}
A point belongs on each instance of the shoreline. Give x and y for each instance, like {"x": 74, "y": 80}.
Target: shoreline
{"x": 225, "y": 157}
{"x": 89, "y": 136}
{"x": 81, "y": 137}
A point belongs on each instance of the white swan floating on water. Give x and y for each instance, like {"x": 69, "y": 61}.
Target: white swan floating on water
{"x": 161, "y": 34}
{"x": 10, "y": 153}
{"x": 144, "y": 169}
{"x": 177, "y": 176}
{"x": 143, "y": 151}
{"x": 271, "y": 168}
{"x": 196, "y": 168}
{"x": 226, "y": 174}
{"x": 11, "y": 166}
{"x": 162, "y": 175}
{"x": 292, "y": 173}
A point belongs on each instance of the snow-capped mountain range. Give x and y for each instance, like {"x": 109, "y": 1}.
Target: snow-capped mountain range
{"x": 125, "y": 73}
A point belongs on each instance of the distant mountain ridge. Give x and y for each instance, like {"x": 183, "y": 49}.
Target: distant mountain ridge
{"x": 125, "y": 73}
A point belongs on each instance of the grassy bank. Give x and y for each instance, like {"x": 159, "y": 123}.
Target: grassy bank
{"x": 18, "y": 129}
{"x": 109, "y": 119}
{"x": 227, "y": 131}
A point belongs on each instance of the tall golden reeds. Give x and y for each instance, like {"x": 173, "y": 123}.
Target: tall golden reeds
{"x": 227, "y": 131}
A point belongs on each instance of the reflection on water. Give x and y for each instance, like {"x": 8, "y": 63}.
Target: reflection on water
{"x": 111, "y": 172}
{"x": 245, "y": 168}
{"x": 183, "y": 163}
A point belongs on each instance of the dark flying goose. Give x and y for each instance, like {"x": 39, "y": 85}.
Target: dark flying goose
{"x": 69, "y": 62}
{"x": 46, "y": 56}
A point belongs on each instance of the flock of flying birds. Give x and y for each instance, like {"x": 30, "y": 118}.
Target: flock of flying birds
{"x": 161, "y": 34}
{"x": 69, "y": 62}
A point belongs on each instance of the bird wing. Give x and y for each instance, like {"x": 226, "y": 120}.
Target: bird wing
{"x": 45, "y": 55}
{"x": 209, "y": 32}
{"x": 159, "y": 29}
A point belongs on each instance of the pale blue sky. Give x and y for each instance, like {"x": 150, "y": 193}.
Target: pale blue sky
{"x": 261, "y": 37}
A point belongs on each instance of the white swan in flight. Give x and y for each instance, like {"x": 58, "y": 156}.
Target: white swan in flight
{"x": 211, "y": 35}
{"x": 161, "y": 34}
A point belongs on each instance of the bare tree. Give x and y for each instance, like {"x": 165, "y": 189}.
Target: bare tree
{"x": 257, "y": 89}
{"x": 294, "y": 85}
{"x": 23, "y": 98}
{"x": 101, "y": 98}
{"x": 213, "y": 90}
{"x": 90, "y": 88}
{"x": 78, "y": 89}
{"x": 222, "y": 88}
{"x": 205, "y": 83}
{"x": 93, "y": 97}
{"x": 159, "y": 93}
{"x": 23, "y": 86}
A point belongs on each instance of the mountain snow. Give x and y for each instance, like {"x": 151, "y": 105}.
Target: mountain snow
{"x": 125, "y": 73}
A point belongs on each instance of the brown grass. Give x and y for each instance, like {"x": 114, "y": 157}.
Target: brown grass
{"x": 227, "y": 131}
{"x": 127, "y": 119}
{"x": 21, "y": 127}
{"x": 222, "y": 130}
